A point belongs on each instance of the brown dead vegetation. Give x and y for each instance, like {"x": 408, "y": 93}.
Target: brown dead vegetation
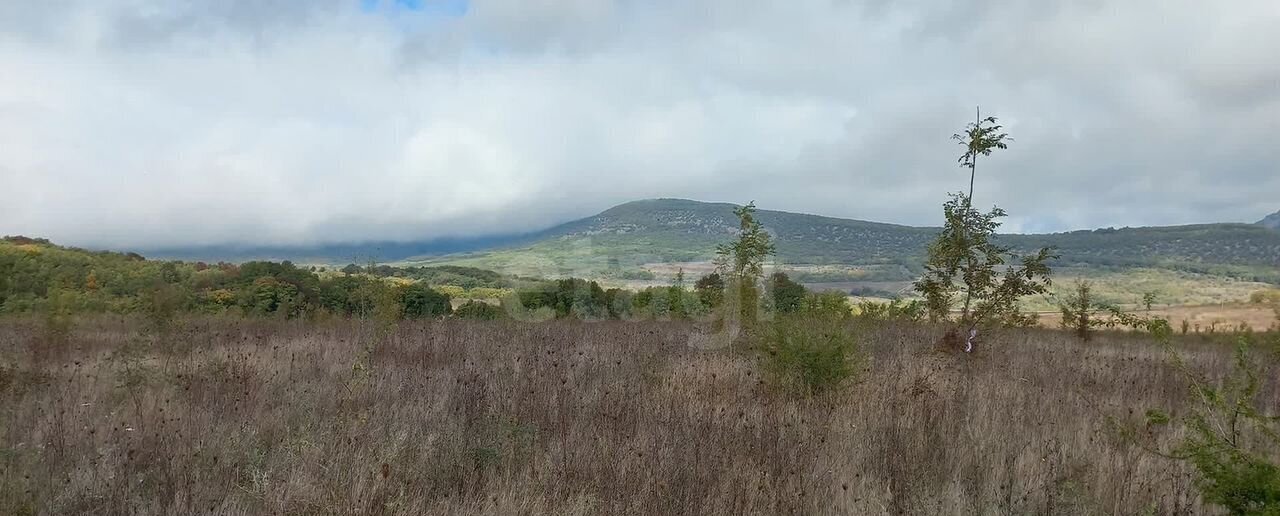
{"x": 575, "y": 418}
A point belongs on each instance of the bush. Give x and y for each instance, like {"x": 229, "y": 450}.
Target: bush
{"x": 896, "y": 310}
{"x": 788, "y": 296}
{"x": 479, "y": 311}
{"x": 1229, "y": 438}
{"x": 1227, "y": 434}
{"x": 419, "y": 301}
{"x": 810, "y": 354}
{"x": 710, "y": 290}
{"x": 1076, "y": 309}
{"x": 827, "y": 304}
{"x": 1269, "y": 296}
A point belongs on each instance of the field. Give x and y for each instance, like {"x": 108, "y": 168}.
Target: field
{"x": 1125, "y": 287}
{"x": 251, "y": 416}
{"x": 1199, "y": 318}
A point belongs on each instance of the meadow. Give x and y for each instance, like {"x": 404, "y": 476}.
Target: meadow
{"x": 223, "y": 415}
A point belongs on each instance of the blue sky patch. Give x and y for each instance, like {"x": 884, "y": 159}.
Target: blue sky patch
{"x": 442, "y": 8}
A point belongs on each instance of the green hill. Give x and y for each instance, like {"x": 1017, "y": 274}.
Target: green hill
{"x": 617, "y": 241}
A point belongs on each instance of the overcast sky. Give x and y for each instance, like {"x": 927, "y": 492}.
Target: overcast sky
{"x": 144, "y": 123}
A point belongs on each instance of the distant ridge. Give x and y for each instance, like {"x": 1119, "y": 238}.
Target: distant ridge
{"x": 679, "y": 230}
{"x": 1271, "y": 221}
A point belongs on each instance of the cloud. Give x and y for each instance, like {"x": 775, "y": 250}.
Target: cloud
{"x": 142, "y": 123}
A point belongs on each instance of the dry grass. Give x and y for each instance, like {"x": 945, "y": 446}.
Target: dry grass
{"x": 1200, "y": 318}
{"x": 575, "y": 418}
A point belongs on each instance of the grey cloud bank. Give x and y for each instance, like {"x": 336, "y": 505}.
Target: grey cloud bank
{"x": 149, "y": 124}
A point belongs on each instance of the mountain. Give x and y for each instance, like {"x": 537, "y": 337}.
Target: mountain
{"x": 616, "y": 241}
{"x": 1271, "y": 221}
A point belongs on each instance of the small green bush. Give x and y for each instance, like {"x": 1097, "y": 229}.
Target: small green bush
{"x": 827, "y": 304}
{"x": 1229, "y": 438}
{"x": 479, "y": 311}
{"x": 810, "y": 354}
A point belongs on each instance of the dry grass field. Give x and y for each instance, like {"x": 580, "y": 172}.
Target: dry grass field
{"x": 263, "y": 417}
{"x": 1200, "y": 318}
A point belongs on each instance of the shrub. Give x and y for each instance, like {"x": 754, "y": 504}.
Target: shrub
{"x": 479, "y": 311}
{"x": 1265, "y": 296}
{"x": 710, "y": 289}
{"x": 1076, "y": 309}
{"x": 788, "y": 296}
{"x": 827, "y": 304}
{"x": 896, "y": 310}
{"x": 809, "y": 354}
{"x": 1227, "y": 437}
{"x": 418, "y": 301}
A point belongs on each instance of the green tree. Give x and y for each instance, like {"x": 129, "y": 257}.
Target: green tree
{"x": 1148, "y": 299}
{"x": 418, "y": 301}
{"x": 979, "y": 139}
{"x": 788, "y": 296}
{"x": 965, "y": 263}
{"x": 620, "y": 302}
{"x": 268, "y": 295}
{"x": 675, "y": 296}
{"x": 742, "y": 262}
{"x": 710, "y": 290}
{"x": 1077, "y": 310}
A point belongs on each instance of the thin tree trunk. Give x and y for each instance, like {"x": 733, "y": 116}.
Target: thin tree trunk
{"x": 973, "y": 163}
{"x": 968, "y": 204}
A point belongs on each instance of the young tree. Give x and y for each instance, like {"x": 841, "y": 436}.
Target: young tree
{"x": 675, "y": 296}
{"x": 964, "y": 262}
{"x": 742, "y": 262}
{"x": 1148, "y": 299}
{"x": 1077, "y": 309}
{"x": 979, "y": 139}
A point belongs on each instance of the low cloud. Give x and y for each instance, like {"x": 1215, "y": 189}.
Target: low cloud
{"x": 146, "y": 124}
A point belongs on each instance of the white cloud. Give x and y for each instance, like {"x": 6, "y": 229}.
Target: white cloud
{"x": 142, "y": 123}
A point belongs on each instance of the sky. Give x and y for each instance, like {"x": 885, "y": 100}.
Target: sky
{"x": 149, "y": 123}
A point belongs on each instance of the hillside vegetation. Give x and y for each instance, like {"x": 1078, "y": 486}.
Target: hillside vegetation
{"x": 37, "y": 275}
{"x": 619, "y": 240}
